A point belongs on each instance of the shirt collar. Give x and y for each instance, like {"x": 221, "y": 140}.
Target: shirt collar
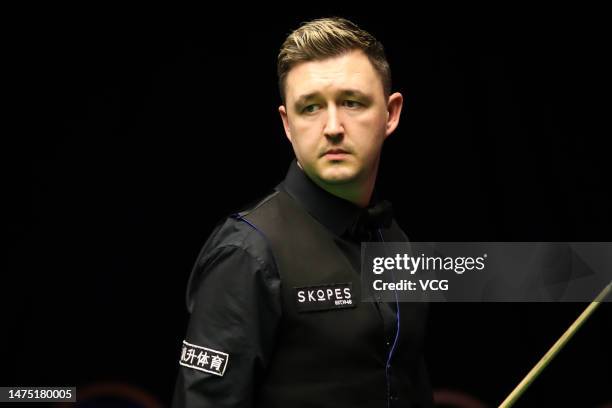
{"x": 335, "y": 213}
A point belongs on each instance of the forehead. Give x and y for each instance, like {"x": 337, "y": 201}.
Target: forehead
{"x": 352, "y": 70}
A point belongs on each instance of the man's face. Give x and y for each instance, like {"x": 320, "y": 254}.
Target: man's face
{"x": 337, "y": 119}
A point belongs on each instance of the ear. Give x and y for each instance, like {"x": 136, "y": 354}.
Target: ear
{"x": 394, "y": 109}
{"x": 285, "y": 119}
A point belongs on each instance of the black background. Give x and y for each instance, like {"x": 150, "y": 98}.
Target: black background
{"x": 138, "y": 131}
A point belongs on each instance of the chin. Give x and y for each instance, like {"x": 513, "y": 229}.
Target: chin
{"x": 337, "y": 175}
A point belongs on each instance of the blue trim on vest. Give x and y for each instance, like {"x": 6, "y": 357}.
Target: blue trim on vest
{"x": 240, "y": 217}
{"x": 397, "y": 331}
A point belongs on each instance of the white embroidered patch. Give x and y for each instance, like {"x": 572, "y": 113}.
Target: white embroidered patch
{"x": 204, "y": 359}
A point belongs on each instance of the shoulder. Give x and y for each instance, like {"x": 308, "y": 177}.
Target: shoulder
{"x": 234, "y": 233}
{"x": 234, "y": 251}
{"x": 235, "y": 258}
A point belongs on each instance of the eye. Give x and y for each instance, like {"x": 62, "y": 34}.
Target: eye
{"x": 352, "y": 104}
{"x": 310, "y": 108}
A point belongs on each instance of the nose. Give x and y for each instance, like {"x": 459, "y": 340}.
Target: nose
{"x": 333, "y": 126}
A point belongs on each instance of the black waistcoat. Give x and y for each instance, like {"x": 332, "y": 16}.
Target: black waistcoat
{"x": 332, "y": 358}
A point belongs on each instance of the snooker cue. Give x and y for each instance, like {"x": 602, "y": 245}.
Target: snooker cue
{"x": 550, "y": 354}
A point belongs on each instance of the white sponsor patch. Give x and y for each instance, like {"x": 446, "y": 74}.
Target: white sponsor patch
{"x": 204, "y": 359}
{"x": 324, "y": 297}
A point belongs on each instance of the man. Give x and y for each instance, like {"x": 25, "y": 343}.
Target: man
{"x": 276, "y": 317}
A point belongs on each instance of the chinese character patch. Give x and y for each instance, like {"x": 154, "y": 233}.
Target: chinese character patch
{"x": 204, "y": 359}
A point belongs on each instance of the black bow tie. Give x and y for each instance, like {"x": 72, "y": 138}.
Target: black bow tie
{"x": 372, "y": 218}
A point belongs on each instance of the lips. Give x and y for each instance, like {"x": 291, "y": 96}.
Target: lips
{"x": 336, "y": 155}
{"x": 336, "y": 151}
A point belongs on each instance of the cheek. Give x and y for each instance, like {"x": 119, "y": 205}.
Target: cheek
{"x": 373, "y": 119}
{"x": 306, "y": 134}
{"x": 370, "y": 130}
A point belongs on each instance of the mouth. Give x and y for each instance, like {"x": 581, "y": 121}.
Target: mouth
{"x": 335, "y": 154}
{"x": 335, "y": 151}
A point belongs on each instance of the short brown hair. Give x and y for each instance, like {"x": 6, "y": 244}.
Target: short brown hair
{"x": 330, "y": 37}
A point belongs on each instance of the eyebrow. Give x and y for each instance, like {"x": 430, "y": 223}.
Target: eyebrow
{"x": 344, "y": 92}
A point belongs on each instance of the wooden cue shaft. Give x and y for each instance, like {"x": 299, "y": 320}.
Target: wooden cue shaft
{"x": 550, "y": 354}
